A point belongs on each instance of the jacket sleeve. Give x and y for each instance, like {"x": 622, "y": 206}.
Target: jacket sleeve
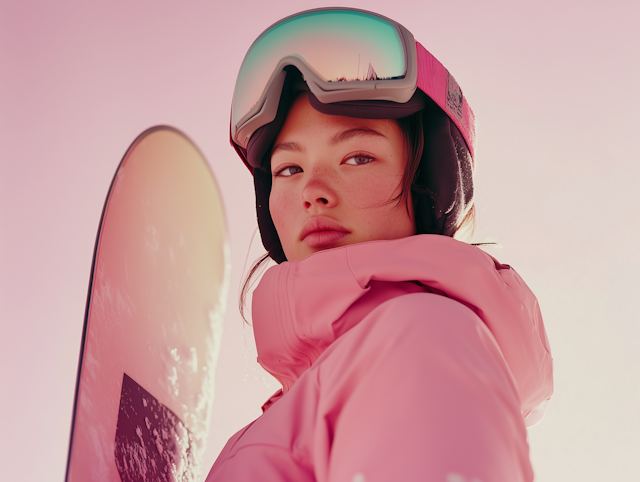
{"x": 493, "y": 291}
{"x": 538, "y": 385}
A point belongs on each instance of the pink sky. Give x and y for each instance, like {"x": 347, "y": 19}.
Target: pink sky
{"x": 554, "y": 85}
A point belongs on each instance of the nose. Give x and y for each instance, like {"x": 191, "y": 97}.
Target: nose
{"x": 318, "y": 191}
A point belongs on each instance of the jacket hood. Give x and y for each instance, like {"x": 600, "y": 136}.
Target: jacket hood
{"x": 300, "y": 308}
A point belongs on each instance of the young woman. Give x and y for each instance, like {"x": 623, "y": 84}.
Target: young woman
{"x": 404, "y": 353}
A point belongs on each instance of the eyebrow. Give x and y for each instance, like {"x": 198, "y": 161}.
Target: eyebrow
{"x": 336, "y": 139}
{"x": 351, "y": 133}
{"x": 286, "y": 146}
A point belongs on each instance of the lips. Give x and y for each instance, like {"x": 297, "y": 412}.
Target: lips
{"x": 321, "y": 232}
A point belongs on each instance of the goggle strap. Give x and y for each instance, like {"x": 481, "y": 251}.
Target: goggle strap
{"x": 436, "y": 81}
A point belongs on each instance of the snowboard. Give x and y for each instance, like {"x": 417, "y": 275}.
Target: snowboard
{"x": 153, "y": 321}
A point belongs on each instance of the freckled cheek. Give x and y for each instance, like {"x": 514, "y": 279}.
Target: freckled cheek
{"x": 282, "y": 212}
{"x": 372, "y": 192}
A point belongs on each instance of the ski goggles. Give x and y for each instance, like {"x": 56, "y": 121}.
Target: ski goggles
{"x": 343, "y": 55}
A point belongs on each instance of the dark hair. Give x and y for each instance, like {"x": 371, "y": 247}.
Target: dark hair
{"x": 412, "y": 128}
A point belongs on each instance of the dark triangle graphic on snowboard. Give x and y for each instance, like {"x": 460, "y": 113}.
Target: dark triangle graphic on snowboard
{"x": 154, "y": 314}
{"x": 150, "y": 439}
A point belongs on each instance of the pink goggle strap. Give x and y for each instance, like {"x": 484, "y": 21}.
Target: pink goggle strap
{"x": 436, "y": 81}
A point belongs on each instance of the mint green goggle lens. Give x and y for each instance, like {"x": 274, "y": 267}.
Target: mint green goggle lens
{"x": 343, "y": 54}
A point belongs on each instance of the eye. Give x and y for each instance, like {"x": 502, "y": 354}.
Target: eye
{"x": 288, "y": 171}
{"x": 358, "y": 160}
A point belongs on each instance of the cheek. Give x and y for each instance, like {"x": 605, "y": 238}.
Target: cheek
{"x": 379, "y": 217}
{"x": 280, "y": 207}
{"x": 373, "y": 192}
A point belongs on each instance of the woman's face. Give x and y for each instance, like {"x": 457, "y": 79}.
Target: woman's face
{"x": 334, "y": 181}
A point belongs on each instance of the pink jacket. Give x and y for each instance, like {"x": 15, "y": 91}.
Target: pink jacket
{"x": 309, "y": 314}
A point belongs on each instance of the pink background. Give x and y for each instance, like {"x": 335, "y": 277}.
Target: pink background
{"x": 554, "y": 85}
